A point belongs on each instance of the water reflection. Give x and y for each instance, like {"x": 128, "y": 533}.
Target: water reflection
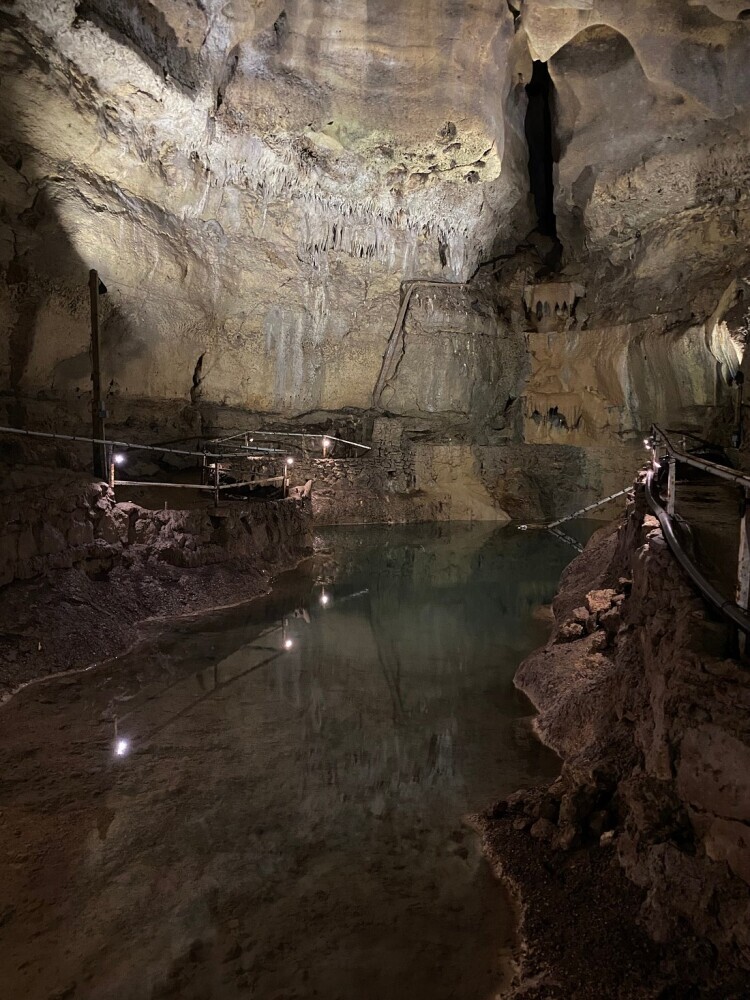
{"x": 281, "y": 816}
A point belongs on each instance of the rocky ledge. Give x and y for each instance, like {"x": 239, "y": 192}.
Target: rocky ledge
{"x": 638, "y": 857}
{"x": 80, "y": 573}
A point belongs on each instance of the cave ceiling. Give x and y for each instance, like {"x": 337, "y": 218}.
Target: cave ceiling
{"x": 254, "y": 180}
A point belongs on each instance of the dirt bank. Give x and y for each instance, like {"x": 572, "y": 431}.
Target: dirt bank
{"x": 633, "y": 870}
{"x": 82, "y": 574}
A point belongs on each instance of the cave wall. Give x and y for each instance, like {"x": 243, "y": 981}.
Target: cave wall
{"x": 255, "y": 182}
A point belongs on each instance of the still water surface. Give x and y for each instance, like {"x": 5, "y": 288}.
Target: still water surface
{"x": 267, "y": 802}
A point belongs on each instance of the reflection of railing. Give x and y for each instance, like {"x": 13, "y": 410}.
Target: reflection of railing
{"x": 565, "y": 537}
{"x": 554, "y": 526}
{"x": 123, "y": 744}
{"x": 664, "y": 451}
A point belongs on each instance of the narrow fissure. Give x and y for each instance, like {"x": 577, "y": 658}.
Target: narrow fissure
{"x": 540, "y": 140}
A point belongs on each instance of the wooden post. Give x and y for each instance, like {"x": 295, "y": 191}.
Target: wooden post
{"x": 216, "y": 482}
{"x": 283, "y": 488}
{"x": 740, "y": 380}
{"x": 671, "y": 486}
{"x": 743, "y": 559}
{"x": 743, "y": 564}
{"x": 97, "y": 410}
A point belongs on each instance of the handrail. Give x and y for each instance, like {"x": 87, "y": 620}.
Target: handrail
{"x": 197, "y": 486}
{"x": 728, "y": 608}
{"x": 216, "y": 488}
{"x": 705, "y": 464}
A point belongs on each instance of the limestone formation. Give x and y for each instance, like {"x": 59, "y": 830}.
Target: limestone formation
{"x": 255, "y": 181}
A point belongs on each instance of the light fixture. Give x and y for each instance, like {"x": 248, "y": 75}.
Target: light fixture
{"x": 326, "y": 445}
{"x": 118, "y": 458}
{"x": 122, "y": 747}
{"x": 290, "y": 461}
{"x": 325, "y": 599}
{"x": 288, "y": 643}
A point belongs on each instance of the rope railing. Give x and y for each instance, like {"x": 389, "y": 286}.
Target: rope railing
{"x": 554, "y": 526}
{"x": 592, "y": 506}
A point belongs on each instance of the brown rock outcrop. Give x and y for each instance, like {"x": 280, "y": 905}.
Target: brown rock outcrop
{"x": 652, "y": 724}
{"x": 79, "y": 573}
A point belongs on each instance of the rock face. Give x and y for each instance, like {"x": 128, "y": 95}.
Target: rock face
{"x": 69, "y": 524}
{"x": 254, "y": 183}
{"x": 636, "y": 691}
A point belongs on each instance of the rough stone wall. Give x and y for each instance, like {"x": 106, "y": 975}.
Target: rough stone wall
{"x": 400, "y": 480}
{"x": 405, "y": 479}
{"x": 636, "y": 691}
{"x": 66, "y": 524}
{"x": 81, "y": 575}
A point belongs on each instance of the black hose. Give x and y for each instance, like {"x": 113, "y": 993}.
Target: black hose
{"x": 726, "y": 607}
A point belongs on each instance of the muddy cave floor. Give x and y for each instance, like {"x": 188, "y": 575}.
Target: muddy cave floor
{"x": 581, "y": 936}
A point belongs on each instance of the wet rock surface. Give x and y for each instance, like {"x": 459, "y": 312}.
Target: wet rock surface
{"x": 638, "y": 693}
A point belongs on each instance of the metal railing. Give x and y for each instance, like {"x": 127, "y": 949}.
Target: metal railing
{"x": 201, "y": 455}
{"x": 665, "y": 452}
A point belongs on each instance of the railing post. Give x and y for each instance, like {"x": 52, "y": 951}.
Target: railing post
{"x": 671, "y": 486}
{"x": 743, "y": 565}
{"x": 97, "y": 408}
{"x": 216, "y": 482}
